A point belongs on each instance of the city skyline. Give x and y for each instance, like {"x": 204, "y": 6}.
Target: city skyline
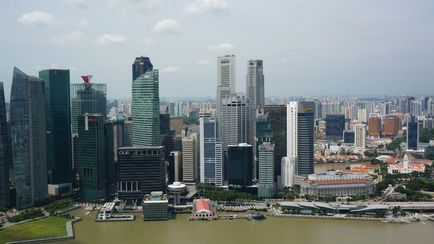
{"x": 390, "y": 49}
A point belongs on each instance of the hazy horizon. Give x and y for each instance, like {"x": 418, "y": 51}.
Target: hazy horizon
{"x": 309, "y": 48}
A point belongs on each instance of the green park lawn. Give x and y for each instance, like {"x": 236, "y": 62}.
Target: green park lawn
{"x": 47, "y": 227}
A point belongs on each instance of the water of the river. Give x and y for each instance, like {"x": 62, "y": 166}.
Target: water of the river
{"x": 270, "y": 231}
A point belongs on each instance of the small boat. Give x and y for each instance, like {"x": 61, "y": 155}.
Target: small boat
{"x": 255, "y": 216}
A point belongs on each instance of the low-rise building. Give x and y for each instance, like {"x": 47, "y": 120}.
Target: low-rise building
{"x": 203, "y": 209}
{"x": 155, "y": 206}
{"x": 405, "y": 167}
{"x": 333, "y": 183}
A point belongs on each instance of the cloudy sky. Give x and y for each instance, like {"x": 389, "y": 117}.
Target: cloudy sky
{"x": 333, "y": 47}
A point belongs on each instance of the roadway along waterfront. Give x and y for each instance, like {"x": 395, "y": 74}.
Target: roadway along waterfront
{"x": 271, "y": 230}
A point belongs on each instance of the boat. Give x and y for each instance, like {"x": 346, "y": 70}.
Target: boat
{"x": 255, "y": 216}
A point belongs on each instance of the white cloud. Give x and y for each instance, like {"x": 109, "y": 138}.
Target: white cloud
{"x": 78, "y": 4}
{"x": 107, "y": 39}
{"x": 170, "y": 26}
{"x": 212, "y": 6}
{"x": 38, "y": 18}
{"x": 170, "y": 70}
{"x": 203, "y": 61}
{"x": 83, "y": 23}
{"x": 223, "y": 46}
{"x": 72, "y": 37}
{"x": 148, "y": 42}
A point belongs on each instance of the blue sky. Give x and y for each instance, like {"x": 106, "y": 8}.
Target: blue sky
{"x": 332, "y": 47}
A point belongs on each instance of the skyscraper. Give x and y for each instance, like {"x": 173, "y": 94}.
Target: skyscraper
{"x": 146, "y": 109}
{"x": 140, "y": 66}
{"x": 91, "y": 156}
{"x": 141, "y": 171}
{"x": 239, "y": 166}
{"x": 277, "y": 120}
{"x": 235, "y": 121}
{"x": 190, "y": 159}
{"x": 226, "y": 85}
{"x": 255, "y": 84}
{"x": 374, "y": 126}
{"x": 335, "y": 126}
{"x": 300, "y": 135}
{"x": 359, "y": 138}
{"x": 412, "y": 133}
{"x": 87, "y": 98}
{"x": 4, "y": 153}
{"x": 29, "y": 148}
{"x": 58, "y": 117}
{"x": 211, "y": 151}
{"x": 266, "y": 186}
{"x": 391, "y": 126}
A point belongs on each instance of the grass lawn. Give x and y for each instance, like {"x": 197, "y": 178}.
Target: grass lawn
{"x": 47, "y": 227}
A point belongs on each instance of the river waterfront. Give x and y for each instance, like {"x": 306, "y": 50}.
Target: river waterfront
{"x": 271, "y": 230}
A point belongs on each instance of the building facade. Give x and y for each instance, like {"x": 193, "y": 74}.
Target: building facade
{"x": 91, "y": 157}
{"x": 235, "y": 121}
{"x": 87, "y": 98}
{"x": 29, "y": 148}
{"x": 277, "y": 120}
{"x": 412, "y": 133}
{"x": 374, "y": 126}
{"x": 335, "y": 126}
{"x": 239, "y": 165}
{"x": 255, "y": 84}
{"x": 190, "y": 158}
{"x": 266, "y": 185}
{"x": 146, "y": 110}
{"x": 4, "y": 153}
{"x": 141, "y": 171}
{"x": 140, "y": 66}
{"x": 226, "y": 85}
{"x": 58, "y": 117}
{"x": 391, "y": 126}
{"x": 337, "y": 184}
{"x": 211, "y": 151}
{"x": 300, "y": 135}
{"x": 359, "y": 138}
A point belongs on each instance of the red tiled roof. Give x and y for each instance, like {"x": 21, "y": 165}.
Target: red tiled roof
{"x": 202, "y": 205}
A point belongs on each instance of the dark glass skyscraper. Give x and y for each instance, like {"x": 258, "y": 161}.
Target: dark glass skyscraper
{"x": 87, "y": 98}
{"x": 141, "y": 171}
{"x": 335, "y": 126}
{"x": 29, "y": 151}
{"x": 58, "y": 117}
{"x": 4, "y": 152}
{"x": 140, "y": 66}
{"x": 305, "y": 131}
{"x": 91, "y": 156}
{"x": 277, "y": 119}
{"x": 239, "y": 166}
{"x": 412, "y": 133}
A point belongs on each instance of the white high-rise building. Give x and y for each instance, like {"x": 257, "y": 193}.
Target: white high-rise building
{"x": 359, "y": 138}
{"x": 226, "y": 85}
{"x": 291, "y": 129}
{"x": 288, "y": 171}
{"x": 362, "y": 115}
